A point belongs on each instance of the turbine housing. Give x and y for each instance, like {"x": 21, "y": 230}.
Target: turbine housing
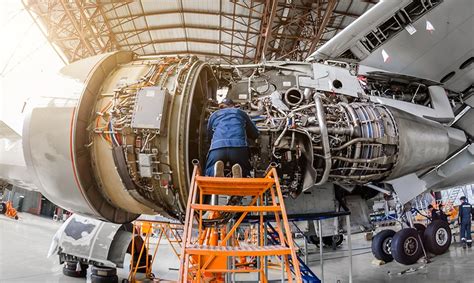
{"x": 73, "y": 148}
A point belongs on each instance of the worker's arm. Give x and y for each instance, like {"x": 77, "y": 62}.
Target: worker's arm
{"x": 251, "y": 128}
{"x": 472, "y": 213}
{"x": 460, "y": 214}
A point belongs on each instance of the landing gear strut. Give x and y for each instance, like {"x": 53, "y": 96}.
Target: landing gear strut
{"x": 410, "y": 244}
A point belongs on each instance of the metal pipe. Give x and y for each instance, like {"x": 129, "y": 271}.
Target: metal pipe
{"x": 333, "y": 131}
{"x": 372, "y": 186}
{"x": 460, "y": 115}
{"x": 357, "y": 128}
{"x": 259, "y": 261}
{"x": 324, "y": 138}
{"x": 280, "y": 137}
{"x": 349, "y": 245}
{"x": 361, "y": 178}
{"x": 351, "y": 142}
{"x": 378, "y": 160}
{"x": 305, "y": 251}
{"x": 320, "y": 230}
{"x": 354, "y": 118}
{"x": 265, "y": 239}
{"x": 302, "y": 108}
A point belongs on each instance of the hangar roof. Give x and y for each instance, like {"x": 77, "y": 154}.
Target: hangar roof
{"x": 232, "y": 31}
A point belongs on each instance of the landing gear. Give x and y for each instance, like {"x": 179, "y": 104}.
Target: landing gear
{"x": 406, "y": 246}
{"x": 333, "y": 241}
{"x": 74, "y": 269}
{"x": 314, "y": 240}
{"x": 382, "y": 245}
{"x": 420, "y": 228}
{"x": 102, "y": 274}
{"x": 437, "y": 237}
{"x": 329, "y": 241}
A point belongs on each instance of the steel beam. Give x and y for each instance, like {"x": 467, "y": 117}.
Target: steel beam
{"x": 266, "y": 29}
{"x": 177, "y": 11}
{"x": 325, "y": 20}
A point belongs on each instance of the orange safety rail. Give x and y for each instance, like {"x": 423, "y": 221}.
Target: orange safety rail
{"x": 167, "y": 230}
{"x": 204, "y": 255}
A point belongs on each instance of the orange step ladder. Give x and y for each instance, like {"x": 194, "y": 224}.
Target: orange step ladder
{"x": 204, "y": 256}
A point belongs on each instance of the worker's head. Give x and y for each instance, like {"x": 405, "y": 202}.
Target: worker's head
{"x": 226, "y": 103}
{"x": 463, "y": 199}
{"x": 430, "y": 207}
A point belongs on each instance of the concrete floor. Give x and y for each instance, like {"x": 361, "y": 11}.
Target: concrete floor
{"x": 25, "y": 243}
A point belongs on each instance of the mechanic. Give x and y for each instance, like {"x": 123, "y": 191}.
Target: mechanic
{"x": 434, "y": 213}
{"x": 229, "y": 128}
{"x": 464, "y": 219}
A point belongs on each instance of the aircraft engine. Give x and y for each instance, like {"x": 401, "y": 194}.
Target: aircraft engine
{"x": 319, "y": 125}
{"x": 121, "y": 143}
{"x": 324, "y": 139}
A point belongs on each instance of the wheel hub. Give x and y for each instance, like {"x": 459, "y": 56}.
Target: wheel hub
{"x": 410, "y": 246}
{"x": 387, "y": 245}
{"x": 441, "y": 236}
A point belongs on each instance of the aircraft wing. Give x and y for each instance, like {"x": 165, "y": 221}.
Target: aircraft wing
{"x": 427, "y": 39}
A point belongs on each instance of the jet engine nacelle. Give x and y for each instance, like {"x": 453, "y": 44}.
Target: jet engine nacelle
{"x": 71, "y": 145}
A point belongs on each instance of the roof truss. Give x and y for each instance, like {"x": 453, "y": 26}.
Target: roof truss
{"x": 234, "y": 31}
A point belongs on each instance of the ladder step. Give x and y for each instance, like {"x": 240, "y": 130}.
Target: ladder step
{"x": 237, "y": 251}
{"x": 232, "y": 208}
{"x": 233, "y": 186}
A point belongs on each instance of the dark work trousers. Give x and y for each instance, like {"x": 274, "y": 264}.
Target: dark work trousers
{"x": 466, "y": 231}
{"x": 233, "y": 155}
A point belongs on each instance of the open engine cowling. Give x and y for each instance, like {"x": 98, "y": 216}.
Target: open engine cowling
{"x": 121, "y": 142}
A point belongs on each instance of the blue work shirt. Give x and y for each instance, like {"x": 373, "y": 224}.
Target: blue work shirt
{"x": 465, "y": 212}
{"x": 230, "y": 127}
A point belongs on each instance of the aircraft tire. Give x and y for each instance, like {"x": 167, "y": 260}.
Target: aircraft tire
{"x": 74, "y": 273}
{"x": 104, "y": 279}
{"x": 406, "y": 246}
{"x": 333, "y": 241}
{"x": 103, "y": 271}
{"x": 381, "y": 245}
{"x": 3, "y": 208}
{"x": 437, "y": 237}
{"x": 314, "y": 239}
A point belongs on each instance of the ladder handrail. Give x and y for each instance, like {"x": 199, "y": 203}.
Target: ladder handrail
{"x": 285, "y": 222}
{"x": 194, "y": 260}
{"x": 188, "y": 222}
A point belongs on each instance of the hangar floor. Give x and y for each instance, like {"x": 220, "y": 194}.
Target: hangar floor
{"x": 25, "y": 243}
